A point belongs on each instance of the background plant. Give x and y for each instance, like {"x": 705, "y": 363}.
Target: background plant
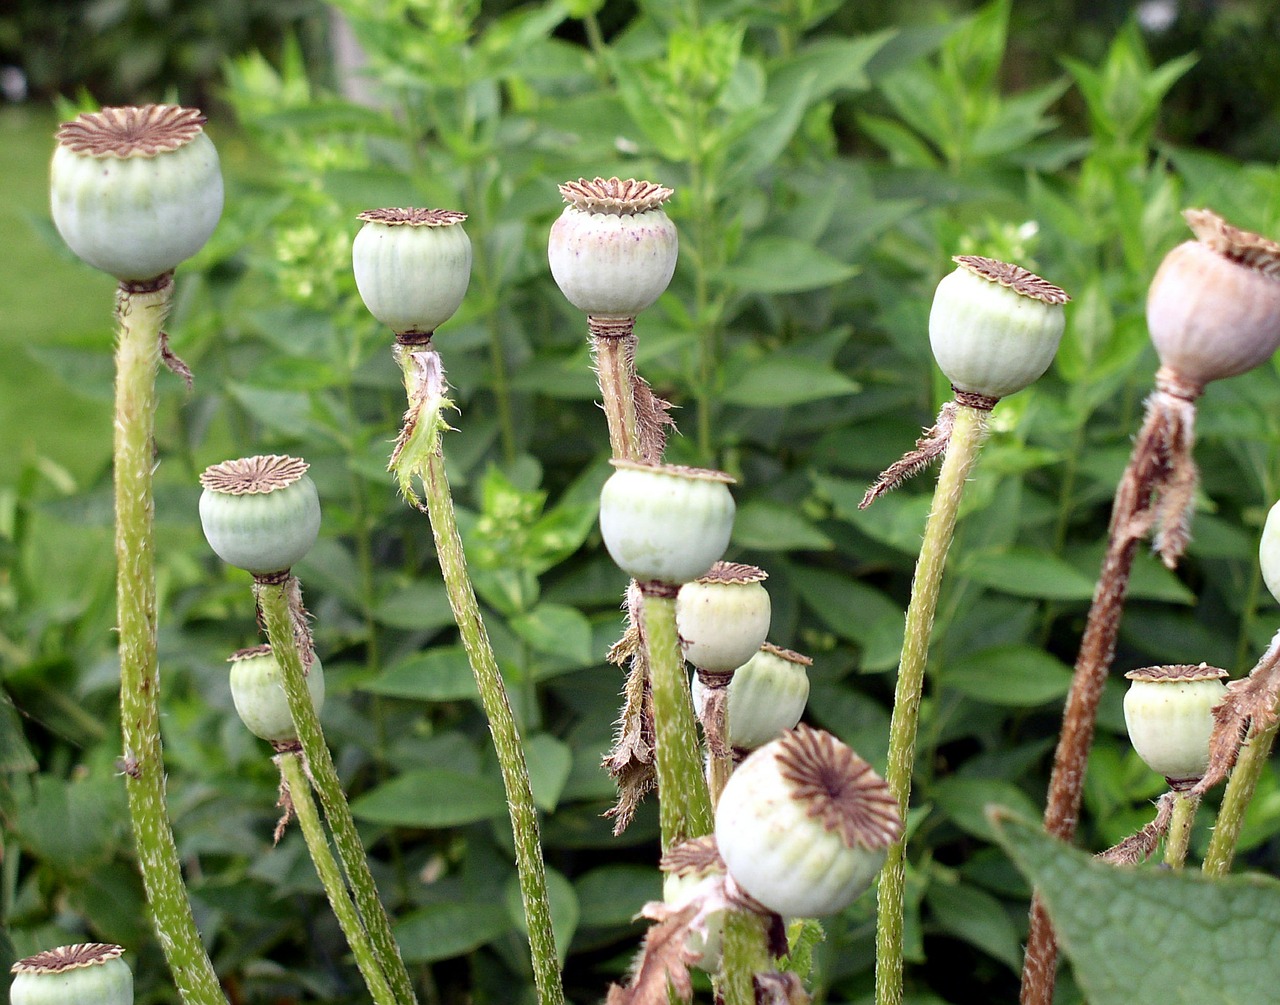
{"x": 825, "y": 171}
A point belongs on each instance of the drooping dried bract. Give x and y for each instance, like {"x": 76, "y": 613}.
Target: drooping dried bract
{"x": 253, "y": 475}
{"x": 622, "y": 198}
{"x": 54, "y": 961}
{"x": 412, "y": 217}
{"x": 133, "y": 131}
{"x": 1013, "y": 277}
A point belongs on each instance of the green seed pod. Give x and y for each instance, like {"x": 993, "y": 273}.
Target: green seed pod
{"x": 1169, "y": 713}
{"x": 260, "y": 514}
{"x": 613, "y": 249}
{"x": 1213, "y": 308}
{"x": 804, "y": 824}
{"x": 1269, "y": 552}
{"x": 767, "y": 696}
{"x": 687, "y": 866}
{"x": 412, "y": 267}
{"x": 994, "y": 327}
{"x": 85, "y": 974}
{"x": 135, "y": 191}
{"x": 665, "y": 523}
{"x": 723, "y": 617}
{"x": 257, "y": 688}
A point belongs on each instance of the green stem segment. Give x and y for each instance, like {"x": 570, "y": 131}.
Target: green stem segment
{"x": 745, "y": 955}
{"x": 273, "y": 602}
{"x": 684, "y": 805}
{"x": 962, "y": 452}
{"x": 140, "y": 315}
{"x": 613, "y": 347}
{"x": 298, "y": 791}
{"x": 424, "y": 383}
{"x": 1179, "y": 838}
{"x": 1248, "y": 769}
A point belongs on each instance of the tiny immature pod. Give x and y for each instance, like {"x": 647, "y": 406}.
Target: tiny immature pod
{"x": 257, "y": 689}
{"x": 1168, "y": 711}
{"x": 135, "y": 191}
{"x": 84, "y": 974}
{"x": 767, "y": 696}
{"x": 260, "y": 514}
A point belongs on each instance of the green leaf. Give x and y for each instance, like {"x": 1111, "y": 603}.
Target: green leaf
{"x": 770, "y": 526}
{"x": 564, "y": 909}
{"x": 15, "y": 755}
{"x": 420, "y": 606}
{"x": 1027, "y": 572}
{"x": 441, "y": 931}
{"x": 1148, "y": 936}
{"x": 549, "y": 762}
{"x": 964, "y": 800}
{"x": 557, "y": 631}
{"x": 435, "y": 797}
{"x": 1148, "y": 579}
{"x": 781, "y": 380}
{"x": 772, "y": 264}
{"x": 854, "y": 611}
{"x": 972, "y": 914}
{"x": 896, "y": 519}
{"x": 612, "y": 894}
{"x": 440, "y": 674}
{"x": 1017, "y": 675}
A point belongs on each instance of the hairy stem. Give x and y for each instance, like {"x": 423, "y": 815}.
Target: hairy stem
{"x": 613, "y": 347}
{"x": 1252, "y": 761}
{"x": 273, "y": 602}
{"x": 139, "y": 316}
{"x": 745, "y": 955}
{"x": 961, "y": 453}
{"x": 297, "y": 790}
{"x": 1178, "y": 839}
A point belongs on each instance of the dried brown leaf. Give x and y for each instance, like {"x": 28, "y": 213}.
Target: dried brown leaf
{"x": 1140, "y": 846}
{"x": 663, "y": 963}
{"x": 1248, "y": 708}
{"x": 930, "y": 446}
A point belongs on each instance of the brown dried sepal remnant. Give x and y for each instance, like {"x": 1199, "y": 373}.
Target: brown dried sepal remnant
{"x": 734, "y": 574}
{"x": 790, "y": 655}
{"x": 620, "y": 198}
{"x": 56, "y": 961}
{"x": 630, "y": 760}
{"x": 1140, "y": 846}
{"x": 412, "y": 217}
{"x": 253, "y": 475}
{"x": 694, "y": 857}
{"x": 1248, "y": 708}
{"x": 1172, "y": 672}
{"x": 131, "y": 131}
{"x": 839, "y": 789}
{"x": 1242, "y": 246}
{"x": 1013, "y": 277}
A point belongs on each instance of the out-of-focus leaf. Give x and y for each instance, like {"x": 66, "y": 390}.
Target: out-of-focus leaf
{"x": 770, "y": 526}
{"x": 613, "y": 894}
{"x": 564, "y": 909}
{"x": 1017, "y": 675}
{"x": 439, "y": 674}
{"x": 1027, "y": 572}
{"x": 432, "y": 798}
{"x": 785, "y": 265}
{"x": 549, "y": 761}
{"x": 972, "y": 914}
{"x": 558, "y": 631}
{"x": 442, "y": 931}
{"x": 781, "y": 380}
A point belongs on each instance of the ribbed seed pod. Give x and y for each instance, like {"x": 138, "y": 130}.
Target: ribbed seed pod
{"x": 723, "y": 617}
{"x": 685, "y": 867}
{"x": 994, "y": 327}
{"x": 665, "y": 523}
{"x": 767, "y": 696}
{"x": 260, "y": 514}
{"x": 412, "y": 267}
{"x": 804, "y": 824}
{"x": 1269, "y": 551}
{"x": 257, "y": 689}
{"x": 613, "y": 250}
{"x": 1169, "y": 714}
{"x": 135, "y": 191}
{"x": 85, "y": 974}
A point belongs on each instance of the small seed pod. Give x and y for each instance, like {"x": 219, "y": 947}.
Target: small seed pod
{"x": 1269, "y": 552}
{"x": 85, "y": 974}
{"x": 1213, "y": 308}
{"x": 804, "y": 824}
{"x": 257, "y": 688}
{"x": 994, "y": 327}
{"x": 260, "y": 514}
{"x": 412, "y": 267}
{"x": 613, "y": 249}
{"x": 688, "y": 866}
{"x": 665, "y": 523}
{"x": 135, "y": 191}
{"x": 1169, "y": 713}
{"x": 723, "y": 617}
{"x": 767, "y": 695}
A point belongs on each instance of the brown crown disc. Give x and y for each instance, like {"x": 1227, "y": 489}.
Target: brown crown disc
{"x": 1177, "y": 673}
{"x": 55, "y": 961}
{"x": 621, "y": 198}
{"x": 790, "y": 655}
{"x": 131, "y": 131}
{"x": 412, "y": 217}
{"x": 676, "y": 470}
{"x": 252, "y": 652}
{"x": 733, "y": 574}
{"x": 692, "y": 858}
{"x": 1013, "y": 277}
{"x": 253, "y": 475}
{"x": 1243, "y": 246}
{"x": 839, "y": 788}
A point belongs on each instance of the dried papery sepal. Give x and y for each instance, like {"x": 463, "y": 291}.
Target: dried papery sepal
{"x": 1176, "y": 673}
{"x": 1169, "y": 712}
{"x": 723, "y": 616}
{"x": 135, "y": 191}
{"x": 84, "y": 974}
{"x": 1213, "y": 308}
{"x": 765, "y": 696}
{"x": 413, "y": 216}
{"x": 260, "y": 514}
{"x": 613, "y": 195}
{"x": 804, "y": 824}
{"x": 257, "y": 691}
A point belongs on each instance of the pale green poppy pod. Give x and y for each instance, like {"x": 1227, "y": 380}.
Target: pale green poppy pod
{"x": 135, "y": 191}
{"x": 84, "y": 974}
{"x": 260, "y": 514}
{"x": 665, "y": 523}
{"x": 1269, "y": 551}
{"x": 994, "y": 327}
{"x": 723, "y": 617}
{"x": 1168, "y": 711}
{"x": 767, "y": 696}
{"x": 686, "y": 868}
{"x": 804, "y": 824}
{"x": 257, "y": 689}
{"x": 412, "y": 267}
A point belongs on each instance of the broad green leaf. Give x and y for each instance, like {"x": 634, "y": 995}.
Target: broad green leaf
{"x": 440, "y": 674}
{"x": 896, "y": 519}
{"x": 772, "y": 264}
{"x": 1018, "y": 675}
{"x": 15, "y": 755}
{"x": 770, "y": 526}
{"x": 436, "y": 797}
{"x": 286, "y": 412}
{"x": 781, "y": 380}
{"x": 1148, "y": 580}
{"x": 564, "y": 909}
{"x": 71, "y": 823}
{"x": 422, "y": 606}
{"x": 972, "y": 914}
{"x": 441, "y": 931}
{"x": 549, "y": 762}
{"x": 557, "y": 631}
{"x": 1027, "y": 572}
{"x": 854, "y": 611}
{"x": 612, "y": 894}
{"x": 965, "y": 799}
{"x": 1149, "y": 936}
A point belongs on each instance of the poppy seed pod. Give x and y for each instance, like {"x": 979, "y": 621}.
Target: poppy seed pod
{"x": 1213, "y": 308}
{"x": 1168, "y": 711}
{"x": 260, "y": 514}
{"x": 994, "y": 327}
{"x": 257, "y": 689}
{"x": 613, "y": 250}
{"x": 767, "y": 696}
{"x": 687, "y": 867}
{"x": 1269, "y": 551}
{"x": 665, "y": 523}
{"x": 804, "y": 824}
{"x": 412, "y": 267}
{"x": 723, "y": 617}
{"x": 135, "y": 191}
{"x": 85, "y": 974}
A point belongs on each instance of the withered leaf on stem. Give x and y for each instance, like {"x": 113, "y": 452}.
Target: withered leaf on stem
{"x": 1139, "y": 847}
{"x": 664, "y": 961}
{"x": 1248, "y": 709}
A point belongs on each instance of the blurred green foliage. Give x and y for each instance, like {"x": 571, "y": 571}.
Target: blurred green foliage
{"x": 823, "y": 179}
